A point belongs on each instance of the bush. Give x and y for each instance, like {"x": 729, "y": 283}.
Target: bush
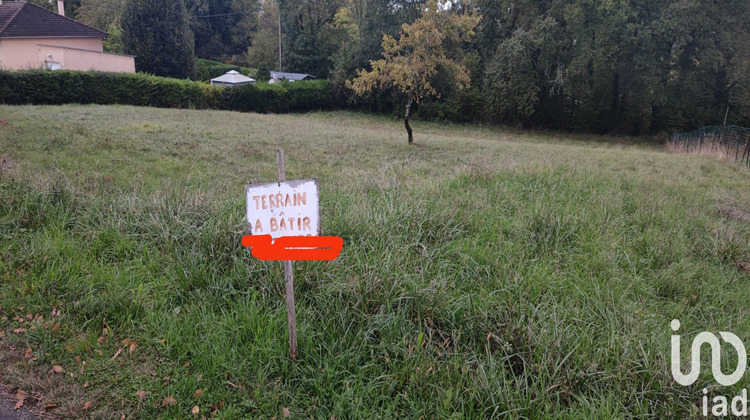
{"x": 60, "y": 87}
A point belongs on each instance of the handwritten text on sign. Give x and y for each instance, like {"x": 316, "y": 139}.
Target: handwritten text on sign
{"x": 287, "y": 208}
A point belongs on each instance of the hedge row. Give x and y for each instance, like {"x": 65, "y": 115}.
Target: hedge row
{"x": 61, "y": 87}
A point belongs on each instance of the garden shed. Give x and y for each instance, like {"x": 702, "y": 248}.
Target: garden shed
{"x": 232, "y": 78}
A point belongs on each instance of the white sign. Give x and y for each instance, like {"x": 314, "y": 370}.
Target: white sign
{"x": 289, "y": 208}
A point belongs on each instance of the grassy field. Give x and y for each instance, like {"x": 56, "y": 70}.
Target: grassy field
{"x": 484, "y": 273}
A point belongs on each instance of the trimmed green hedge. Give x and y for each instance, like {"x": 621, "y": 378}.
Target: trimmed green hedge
{"x": 61, "y": 87}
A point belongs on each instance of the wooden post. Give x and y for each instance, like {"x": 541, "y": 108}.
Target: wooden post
{"x": 288, "y": 274}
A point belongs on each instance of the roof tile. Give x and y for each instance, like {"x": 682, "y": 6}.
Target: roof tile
{"x": 19, "y": 19}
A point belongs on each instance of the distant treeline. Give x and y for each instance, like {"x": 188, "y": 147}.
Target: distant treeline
{"x": 622, "y": 66}
{"x": 597, "y": 66}
{"x": 63, "y": 87}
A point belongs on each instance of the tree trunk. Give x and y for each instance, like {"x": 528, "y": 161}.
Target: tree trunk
{"x": 406, "y": 121}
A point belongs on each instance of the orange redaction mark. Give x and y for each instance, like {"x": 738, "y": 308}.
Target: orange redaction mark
{"x": 294, "y": 248}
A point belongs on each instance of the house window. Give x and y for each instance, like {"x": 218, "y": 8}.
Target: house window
{"x": 53, "y": 65}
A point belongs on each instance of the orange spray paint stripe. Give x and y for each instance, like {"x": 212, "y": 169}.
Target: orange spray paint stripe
{"x": 294, "y": 248}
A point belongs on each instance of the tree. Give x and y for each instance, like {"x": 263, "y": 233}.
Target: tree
{"x": 222, "y": 28}
{"x": 411, "y": 63}
{"x": 107, "y": 16}
{"x": 305, "y": 48}
{"x": 263, "y": 53}
{"x": 101, "y": 14}
{"x": 511, "y": 76}
{"x": 157, "y": 33}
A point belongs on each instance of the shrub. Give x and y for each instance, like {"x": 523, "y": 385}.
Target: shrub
{"x": 60, "y": 87}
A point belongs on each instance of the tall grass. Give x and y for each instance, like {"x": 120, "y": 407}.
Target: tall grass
{"x": 468, "y": 287}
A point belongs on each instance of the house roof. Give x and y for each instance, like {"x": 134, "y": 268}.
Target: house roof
{"x": 232, "y": 77}
{"x": 290, "y": 76}
{"x": 19, "y": 19}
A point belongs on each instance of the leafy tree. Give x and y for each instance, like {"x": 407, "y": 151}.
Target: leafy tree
{"x": 366, "y": 21}
{"x": 157, "y": 33}
{"x": 114, "y": 42}
{"x": 222, "y": 28}
{"x": 107, "y": 16}
{"x": 305, "y": 49}
{"x": 264, "y": 49}
{"x": 512, "y": 76}
{"x": 102, "y": 14}
{"x": 411, "y": 63}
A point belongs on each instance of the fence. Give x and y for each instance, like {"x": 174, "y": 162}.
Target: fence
{"x": 728, "y": 141}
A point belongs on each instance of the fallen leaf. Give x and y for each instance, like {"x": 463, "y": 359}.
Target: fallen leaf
{"x": 19, "y": 330}
{"x": 132, "y": 347}
{"x": 195, "y": 410}
{"x": 58, "y": 369}
{"x": 78, "y": 359}
{"x": 141, "y": 394}
{"x": 285, "y": 412}
{"x": 21, "y": 397}
{"x": 2, "y": 334}
{"x": 186, "y": 364}
{"x": 198, "y": 393}
{"x": 200, "y": 376}
{"x": 119, "y": 350}
{"x": 122, "y": 416}
{"x": 101, "y": 340}
{"x": 86, "y": 384}
{"x": 87, "y": 405}
{"x": 83, "y": 366}
{"x": 56, "y": 327}
{"x": 29, "y": 353}
{"x": 169, "y": 401}
{"x": 49, "y": 405}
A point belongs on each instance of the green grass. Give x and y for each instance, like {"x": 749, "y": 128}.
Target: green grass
{"x": 484, "y": 273}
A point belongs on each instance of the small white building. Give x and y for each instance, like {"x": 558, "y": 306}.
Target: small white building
{"x": 232, "y": 78}
{"x": 278, "y": 77}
